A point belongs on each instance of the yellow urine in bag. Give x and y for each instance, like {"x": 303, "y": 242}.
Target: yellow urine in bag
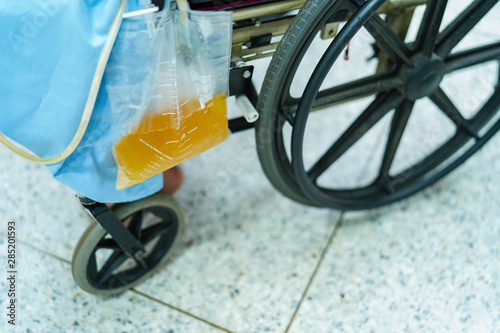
{"x": 165, "y": 139}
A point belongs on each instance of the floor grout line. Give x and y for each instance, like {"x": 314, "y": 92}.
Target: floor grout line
{"x": 131, "y": 289}
{"x": 318, "y": 265}
{"x": 180, "y": 310}
{"x": 320, "y": 260}
{"x": 50, "y": 254}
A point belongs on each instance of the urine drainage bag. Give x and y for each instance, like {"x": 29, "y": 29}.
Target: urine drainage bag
{"x": 167, "y": 83}
{"x": 49, "y": 51}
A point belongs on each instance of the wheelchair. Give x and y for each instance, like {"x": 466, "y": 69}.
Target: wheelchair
{"x": 128, "y": 242}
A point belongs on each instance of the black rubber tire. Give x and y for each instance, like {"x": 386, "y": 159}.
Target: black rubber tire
{"x": 293, "y": 182}
{"x": 299, "y": 32}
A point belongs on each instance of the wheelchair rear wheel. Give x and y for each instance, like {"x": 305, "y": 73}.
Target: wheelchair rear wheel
{"x": 411, "y": 84}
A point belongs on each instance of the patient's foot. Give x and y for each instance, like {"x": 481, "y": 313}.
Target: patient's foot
{"x": 172, "y": 180}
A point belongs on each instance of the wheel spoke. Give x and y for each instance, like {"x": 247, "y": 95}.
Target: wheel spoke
{"x": 399, "y": 121}
{"x": 92, "y": 265}
{"x": 386, "y": 38}
{"x": 288, "y": 112}
{"x": 381, "y": 106}
{"x": 472, "y": 57}
{"x": 154, "y": 231}
{"x": 450, "y": 110}
{"x": 108, "y": 243}
{"x": 429, "y": 28}
{"x": 415, "y": 172}
{"x": 136, "y": 223}
{"x": 114, "y": 261}
{"x": 388, "y": 41}
{"x": 359, "y": 88}
{"x": 498, "y": 76}
{"x": 464, "y": 23}
{"x": 345, "y": 92}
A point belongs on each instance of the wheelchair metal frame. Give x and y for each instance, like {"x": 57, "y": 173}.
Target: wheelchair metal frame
{"x": 258, "y": 29}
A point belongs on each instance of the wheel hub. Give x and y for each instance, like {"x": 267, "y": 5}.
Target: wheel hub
{"x": 424, "y": 78}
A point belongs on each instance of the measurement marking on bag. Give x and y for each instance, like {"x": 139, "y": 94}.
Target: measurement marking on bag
{"x": 156, "y": 165}
{"x": 182, "y": 144}
{"x": 180, "y": 151}
{"x": 156, "y": 150}
{"x": 161, "y": 158}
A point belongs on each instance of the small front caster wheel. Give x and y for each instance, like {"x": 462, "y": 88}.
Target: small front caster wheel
{"x": 100, "y": 266}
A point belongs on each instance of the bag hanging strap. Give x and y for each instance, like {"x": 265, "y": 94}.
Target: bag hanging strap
{"x": 89, "y": 106}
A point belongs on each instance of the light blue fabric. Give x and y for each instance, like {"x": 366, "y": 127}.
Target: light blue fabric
{"x": 48, "y": 53}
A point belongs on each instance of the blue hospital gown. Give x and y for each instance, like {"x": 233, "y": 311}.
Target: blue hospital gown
{"x": 48, "y": 53}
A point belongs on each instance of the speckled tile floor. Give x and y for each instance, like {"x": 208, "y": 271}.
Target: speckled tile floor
{"x": 250, "y": 260}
